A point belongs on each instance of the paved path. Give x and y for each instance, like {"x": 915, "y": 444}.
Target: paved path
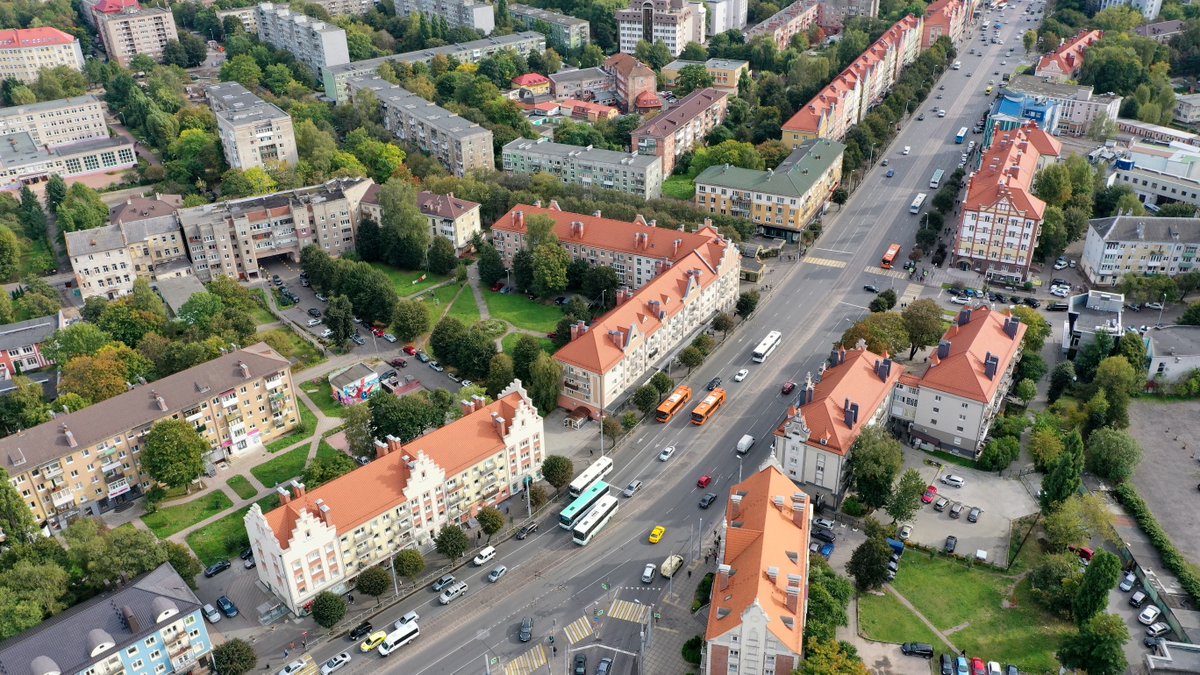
{"x": 904, "y": 601}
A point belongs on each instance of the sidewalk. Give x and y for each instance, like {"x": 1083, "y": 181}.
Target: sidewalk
{"x": 678, "y": 623}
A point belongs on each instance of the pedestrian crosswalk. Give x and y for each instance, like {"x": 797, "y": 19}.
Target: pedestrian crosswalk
{"x": 578, "y": 629}
{"x": 895, "y": 274}
{"x": 825, "y": 262}
{"x": 528, "y": 662}
{"x": 629, "y": 611}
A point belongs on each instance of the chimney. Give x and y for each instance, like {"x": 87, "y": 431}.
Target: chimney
{"x": 324, "y": 510}
{"x": 479, "y": 401}
{"x": 284, "y": 495}
{"x": 554, "y": 205}
{"x": 381, "y": 449}
{"x": 799, "y": 513}
{"x": 639, "y": 220}
{"x": 578, "y": 328}
{"x": 577, "y": 229}
{"x": 773, "y": 574}
{"x": 1011, "y": 325}
{"x": 162, "y": 402}
{"x": 245, "y": 369}
{"x": 793, "y": 599}
{"x": 70, "y": 436}
{"x": 394, "y": 444}
{"x": 468, "y": 406}
{"x": 678, "y": 243}
{"x": 519, "y": 219}
{"x": 990, "y": 365}
{"x": 735, "y": 507}
{"x": 500, "y": 424}
{"x": 943, "y": 350}
{"x": 135, "y": 625}
{"x": 617, "y": 338}
{"x": 298, "y": 488}
{"x": 596, "y": 213}
{"x": 723, "y": 574}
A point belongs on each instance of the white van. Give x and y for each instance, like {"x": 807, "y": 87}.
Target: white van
{"x": 452, "y": 592}
{"x": 745, "y": 444}
{"x": 957, "y": 65}
{"x": 399, "y": 637}
{"x": 670, "y": 566}
{"x": 907, "y": 150}
{"x": 485, "y": 555}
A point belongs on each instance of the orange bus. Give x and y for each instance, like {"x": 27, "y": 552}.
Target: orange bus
{"x": 673, "y": 404}
{"x": 708, "y": 407}
{"x": 890, "y": 256}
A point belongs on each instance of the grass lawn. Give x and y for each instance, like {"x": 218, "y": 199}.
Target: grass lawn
{"x": 883, "y": 618}
{"x": 259, "y": 312}
{"x": 510, "y": 343}
{"x": 318, "y": 391}
{"x": 220, "y": 540}
{"x": 437, "y": 300}
{"x": 168, "y": 520}
{"x": 36, "y": 258}
{"x": 679, "y": 187}
{"x": 305, "y": 354}
{"x": 282, "y": 468}
{"x": 523, "y": 312}
{"x": 465, "y": 309}
{"x": 403, "y": 280}
{"x": 308, "y": 424}
{"x": 241, "y": 487}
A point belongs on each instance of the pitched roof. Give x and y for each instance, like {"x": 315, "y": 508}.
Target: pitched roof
{"x": 1068, "y": 58}
{"x": 976, "y": 334}
{"x": 139, "y": 208}
{"x": 627, "y": 66}
{"x": 29, "y": 332}
{"x": 681, "y": 113}
{"x": 114, "y": 6}
{"x": 762, "y": 537}
{"x": 795, "y": 176}
{"x": 1147, "y": 229}
{"x": 20, "y": 38}
{"x": 444, "y": 206}
{"x": 530, "y": 80}
{"x": 1007, "y": 168}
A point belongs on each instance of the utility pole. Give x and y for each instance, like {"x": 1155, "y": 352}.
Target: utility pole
{"x": 395, "y": 575}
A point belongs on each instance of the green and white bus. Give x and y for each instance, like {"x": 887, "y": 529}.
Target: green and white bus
{"x": 578, "y": 508}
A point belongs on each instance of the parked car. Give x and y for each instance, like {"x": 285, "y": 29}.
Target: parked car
{"x": 824, "y": 523}
{"x": 977, "y": 667}
{"x": 313, "y": 322}
{"x": 211, "y": 613}
{"x": 1149, "y": 615}
{"x": 649, "y": 573}
{"x": 389, "y": 337}
{"x": 954, "y": 480}
{"x": 940, "y": 504}
{"x": 322, "y": 298}
{"x": 824, "y": 535}
{"x": 905, "y": 532}
{"x": 973, "y": 514}
{"x": 947, "y": 663}
{"x": 294, "y": 667}
{"x": 1128, "y": 582}
{"x": 917, "y": 649}
{"x": 956, "y": 510}
{"x": 1137, "y": 599}
{"x": 930, "y": 494}
{"x": 398, "y": 363}
{"x": 1157, "y": 629}
{"x": 358, "y": 339}
{"x": 951, "y": 543}
{"x": 437, "y": 366}
{"x": 227, "y": 607}
{"x": 1153, "y": 305}
{"x": 409, "y": 349}
{"x": 604, "y": 667}
{"x": 580, "y": 665}
{"x": 216, "y": 568}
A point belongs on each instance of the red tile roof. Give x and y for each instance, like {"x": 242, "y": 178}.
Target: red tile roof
{"x": 627, "y": 66}
{"x": 530, "y": 80}
{"x": 114, "y": 6}
{"x": 1007, "y": 169}
{"x": 963, "y": 371}
{"x": 33, "y": 37}
{"x": 1068, "y": 58}
{"x": 586, "y": 107}
{"x": 444, "y": 206}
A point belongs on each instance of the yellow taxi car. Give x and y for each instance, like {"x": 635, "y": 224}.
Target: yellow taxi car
{"x": 373, "y": 640}
{"x": 657, "y": 533}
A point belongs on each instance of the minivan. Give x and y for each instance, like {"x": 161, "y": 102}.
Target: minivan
{"x": 670, "y": 566}
{"x": 452, "y": 592}
{"x": 485, "y": 555}
{"x": 399, "y": 637}
{"x": 917, "y": 649}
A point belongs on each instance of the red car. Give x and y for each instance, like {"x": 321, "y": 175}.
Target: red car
{"x": 498, "y": 286}
{"x": 704, "y": 481}
{"x": 377, "y": 331}
{"x": 977, "y": 667}
{"x": 788, "y": 387}
{"x": 410, "y": 350}
{"x": 398, "y": 363}
{"x": 930, "y": 494}
{"x": 552, "y": 335}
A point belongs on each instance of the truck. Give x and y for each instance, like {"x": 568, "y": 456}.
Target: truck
{"x": 897, "y": 546}
{"x": 744, "y": 444}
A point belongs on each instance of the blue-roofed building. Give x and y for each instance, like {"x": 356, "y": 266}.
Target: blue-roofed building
{"x": 1013, "y": 109}
{"x": 151, "y": 626}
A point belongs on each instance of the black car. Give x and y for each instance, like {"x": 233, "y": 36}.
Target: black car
{"x": 314, "y": 312}
{"x": 1032, "y": 302}
{"x": 1057, "y": 307}
{"x": 529, "y": 529}
{"x": 951, "y": 543}
{"x": 947, "y": 664}
{"x": 1059, "y": 282}
{"x": 216, "y": 569}
{"x": 824, "y": 535}
{"x": 917, "y": 649}
{"x": 714, "y": 383}
{"x": 361, "y": 631}
{"x": 247, "y": 554}
{"x": 526, "y": 633}
{"x": 707, "y": 500}
{"x": 870, "y": 288}
{"x": 580, "y": 667}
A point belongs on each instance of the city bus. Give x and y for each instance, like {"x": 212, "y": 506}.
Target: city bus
{"x": 595, "y": 520}
{"x": 961, "y": 136}
{"x": 936, "y": 180}
{"x": 889, "y": 257}
{"x": 917, "y": 203}
{"x": 599, "y": 469}
{"x": 580, "y": 506}
{"x": 673, "y": 404}
{"x": 708, "y": 407}
{"x": 768, "y": 345}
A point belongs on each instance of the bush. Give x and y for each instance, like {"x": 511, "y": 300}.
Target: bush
{"x": 853, "y": 507}
{"x": 1171, "y": 556}
{"x": 704, "y": 590}
{"x": 692, "y": 648}
{"x": 629, "y": 420}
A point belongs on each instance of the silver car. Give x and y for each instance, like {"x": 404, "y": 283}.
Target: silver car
{"x": 649, "y": 572}
{"x": 632, "y": 488}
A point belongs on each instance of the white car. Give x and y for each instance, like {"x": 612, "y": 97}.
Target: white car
{"x": 1149, "y": 615}
{"x": 314, "y": 322}
{"x": 953, "y": 480}
{"x": 960, "y": 299}
{"x": 666, "y": 453}
{"x": 1153, "y": 305}
{"x": 294, "y": 667}
{"x": 1060, "y": 264}
{"x": 327, "y": 333}
{"x": 649, "y": 572}
{"x": 823, "y": 523}
{"x": 335, "y": 663}
{"x": 741, "y": 375}
{"x": 1128, "y": 582}
{"x": 466, "y": 383}
{"x": 1059, "y": 292}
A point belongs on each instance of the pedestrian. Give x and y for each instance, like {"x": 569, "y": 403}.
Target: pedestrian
{"x": 689, "y": 574}
{"x": 479, "y": 534}
{"x": 285, "y": 653}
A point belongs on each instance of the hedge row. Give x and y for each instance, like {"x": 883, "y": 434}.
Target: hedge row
{"x": 1171, "y": 556}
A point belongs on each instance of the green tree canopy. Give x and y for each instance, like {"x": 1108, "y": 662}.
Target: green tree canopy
{"x": 452, "y": 542}
{"x": 328, "y": 609}
{"x": 174, "y": 453}
{"x": 875, "y": 460}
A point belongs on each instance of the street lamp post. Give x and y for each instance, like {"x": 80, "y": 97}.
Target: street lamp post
{"x": 1161, "y": 306}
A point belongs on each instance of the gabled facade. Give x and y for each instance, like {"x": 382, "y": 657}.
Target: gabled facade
{"x": 449, "y": 216}
{"x": 633, "y": 82}
{"x": 945, "y": 17}
{"x": 1066, "y": 62}
{"x": 21, "y": 344}
{"x": 143, "y": 241}
{"x": 951, "y": 406}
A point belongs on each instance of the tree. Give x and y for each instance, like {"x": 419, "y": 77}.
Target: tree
{"x": 234, "y": 657}
{"x": 16, "y": 520}
{"x": 405, "y": 418}
{"x": 1045, "y": 445}
{"x": 550, "y": 263}
{"x": 1026, "y": 390}
{"x": 691, "y": 78}
{"x": 442, "y": 258}
{"x": 405, "y": 231}
{"x": 452, "y": 542}
{"x": 924, "y": 324}
{"x": 31, "y": 215}
{"x": 491, "y": 265}
{"x": 522, "y": 270}
{"x": 524, "y": 354}
{"x": 1098, "y": 647}
{"x": 655, "y": 55}
{"x": 545, "y": 382}
{"x": 746, "y": 303}
{"x": 868, "y": 564}
{"x": 1054, "y": 581}
{"x": 875, "y": 459}
{"x": 244, "y": 69}
{"x": 78, "y": 339}
{"x": 1064, "y": 479}
{"x": 339, "y": 317}
{"x": 409, "y": 563}
{"x": 601, "y": 283}
{"x": 1031, "y": 367}
{"x": 328, "y": 609}
{"x": 1118, "y": 380}
{"x": 56, "y": 191}
{"x": 491, "y": 520}
{"x": 733, "y": 153}
{"x": 1061, "y": 379}
{"x": 830, "y": 657}
{"x": 360, "y": 435}
{"x": 1133, "y": 349}
{"x": 1112, "y": 454}
{"x": 646, "y": 398}
{"x": 691, "y": 357}
{"x": 723, "y": 322}
{"x": 447, "y": 339}
{"x": 185, "y": 564}
{"x": 410, "y": 319}
{"x": 1089, "y": 358}
{"x": 662, "y": 382}
{"x": 1092, "y": 595}
{"x": 500, "y": 374}
{"x": 81, "y": 209}
{"x": 883, "y": 332}
{"x": 373, "y": 581}
{"x": 325, "y": 468}
{"x": 174, "y": 453}
{"x": 905, "y": 499}
{"x": 558, "y": 471}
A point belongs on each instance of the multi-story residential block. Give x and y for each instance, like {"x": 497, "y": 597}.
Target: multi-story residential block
{"x": 247, "y": 15}
{"x": 835, "y": 13}
{"x": 634, "y": 83}
{"x": 314, "y": 43}
{"x": 450, "y": 217}
{"x": 682, "y": 128}
{"x": 1001, "y": 217}
{"x": 130, "y": 32}
{"x": 24, "y": 52}
{"x": 93, "y": 10}
{"x": 1159, "y": 174}
{"x": 143, "y": 241}
{"x": 1149, "y": 9}
{"x": 1172, "y": 355}
{"x": 1161, "y": 31}
{"x": 1079, "y": 108}
{"x": 1013, "y": 110}
{"x": 844, "y": 102}
{"x": 725, "y": 15}
{"x": 86, "y": 462}
{"x": 524, "y": 43}
{"x": 346, "y": 7}
{"x": 1187, "y": 108}
{"x": 321, "y": 540}
{"x": 460, "y": 145}
{"x": 852, "y": 391}
{"x": 1090, "y": 314}
{"x": 781, "y": 202}
{"x": 674, "y": 23}
{"x": 787, "y": 23}
{"x": 253, "y": 132}
{"x": 474, "y": 14}
{"x": 152, "y": 625}
{"x": 229, "y": 238}
{"x": 589, "y": 167}
{"x": 53, "y": 123}
{"x": 560, "y": 29}
{"x": 760, "y": 594}
{"x": 1066, "y": 62}
{"x": 946, "y": 17}
{"x": 951, "y": 406}
{"x": 21, "y": 344}
{"x": 24, "y": 161}
{"x": 1139, "y": 245}
{"x": 584, "y": 84}
{"x": 726, "y": 73}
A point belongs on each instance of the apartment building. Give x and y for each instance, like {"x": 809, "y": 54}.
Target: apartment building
{"x": 1187, "y": 108}
{"x": 781, "y": 202}
{"x": 21, "y": 344}
{"x": 449, "y": 216}
{"x": 474, "y": 14}
{"x": 1161, "y": 31}
{"x": 253, "y": 133}
{"x": 725, "y": 15}
{"x": 525, "y": 43}
{"x": 84, "y": 463}
{"x": 1139, "y": 245}
{"x": 1149, "y": 9}
{"x": 1080, "y": 109}
{"x": 24, "y": 161}
{"x": 952, "y": 404}
{"x": 1001, "y": 217}
{"x": 129, "y": 32}
{"x": 946, "y": 17}
{"x": 54, "y": 123}
{"x": 760, "y": 593}
{"x": 634, "y": 83}
{"x": 1172, "y": 355}
{"x": 1066, "y": 62}
{"x": 151, "y": 625}
{"x": 588, "y": 167}
{"x": 347, "y": 7}
{"x": 835, "y": 13}
{"x": 314, "y": 43}
{"x": 726, "y": 73}
{"x": 232, "y": 238}
{"x": 674, "y": 23}
{"x": 851, "y": 392}
{"x": 787, "y": 23}
{"x": 24, "y": 52}
{"x": 146, "y": 244}
{"x": 460, "y": 145}
{"x": 562, "y": 30}
{"x": 247, "y": 15}
{"x": 320, "y": 540}
{"x": 93, "y": 10}
{"x": 682, "y": 128}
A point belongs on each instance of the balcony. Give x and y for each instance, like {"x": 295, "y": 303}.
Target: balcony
{"x": 62, "y": 498}
{"x": 52, "y": 470}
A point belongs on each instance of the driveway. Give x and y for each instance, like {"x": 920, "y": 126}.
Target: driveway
{"x": 1118, "y": 603}
{"x": 1169, "y": 471}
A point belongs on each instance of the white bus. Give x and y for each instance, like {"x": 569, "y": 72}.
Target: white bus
{"x": 917, "y": 203}
{"x": 399, "y": 637}
{"x": 597, "y": 471}
{"x": 768, "y": 345}
{"x": 595, "y": 520}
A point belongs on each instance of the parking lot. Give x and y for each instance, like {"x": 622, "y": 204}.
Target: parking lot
{"x": 1118, "y": 603}
{"x": 1168, "y": 473}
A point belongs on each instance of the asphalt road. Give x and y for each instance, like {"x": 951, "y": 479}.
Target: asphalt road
{"x": 557, "y": 582}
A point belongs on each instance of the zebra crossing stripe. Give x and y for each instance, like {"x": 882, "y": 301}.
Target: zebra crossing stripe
{"x": 528, "y": 662}
{"x": 578, "y": 629}
{"x": 825, "y": 262}
{"x": 628, "y": 611}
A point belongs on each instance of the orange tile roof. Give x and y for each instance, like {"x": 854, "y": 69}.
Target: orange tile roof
{"x": 962, "y": 372}
{"x": 1069, "y": 55}
{"x": 530, "y": 80}
{"x": 366, "y": 492}
{"x": 33, "y": 37}
{"x": 759, "y": 536}
{"x": 627, "y": 66}
{"x": 1007, "y": 170}
{"x": 585, "y": 107}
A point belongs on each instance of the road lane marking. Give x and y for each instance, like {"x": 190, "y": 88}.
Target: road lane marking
{"x": 528, "y": 662}
{"x": 895, "y": 274}
{"x": 629, "y": 611}
{"x": 578, "y": 629}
